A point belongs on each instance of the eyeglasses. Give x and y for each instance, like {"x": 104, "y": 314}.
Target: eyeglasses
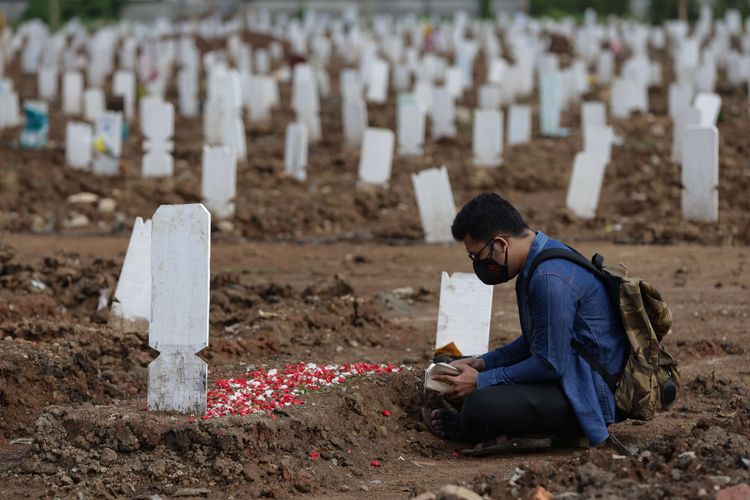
{"x": 474, "y": 256}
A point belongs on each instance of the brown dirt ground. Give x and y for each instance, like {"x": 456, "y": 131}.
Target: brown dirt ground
{"x": 96, "y": 438}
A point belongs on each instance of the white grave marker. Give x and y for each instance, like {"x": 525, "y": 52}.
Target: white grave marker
{"x": 72, "y": 93}
{"x": 158, "y": 127}
{"x": 435, "y": 202}
{"x": 355, "y": 121}
{"x": 709, "y": 106}
{"x": 219, "y": 180}
{"x": 180, "y": 256}
{"x": 377, "y": 81}
{"x": 688, "y": 117}
{"x": 187, "y": 87}
{"x": 586, "y": 184}
{"x": 123, "y": 85}
{"x": 488, "y": 138}
{"x": 133, "y": 292}
{"x": 593, "y": 114}
{"x": 78, "y": 145}
{"x": 464, "y": 313}
{"x": 295, "y": 151}
{"x": 93, "y": 103}
{"x": 549, "y": 101}
{"x": 108, "y": 143}
{"x": 443, "y": 114}
{"x": 376, "y": 156}
{"x": 411, "y": 125}
{"x": 700, "y": 174}
{"x": 519, "y": 124}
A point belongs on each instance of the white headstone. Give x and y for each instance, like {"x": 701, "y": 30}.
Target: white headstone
{"x": 123, "y": 84}
{"x": 133, "y": 292}
{"x": 355, "y": 121}
{"x": 443, "y": 114}
{"x": 586, "y": 184}
{"x": 108, "y": 143}
{"x": 488, "y": 138}
{"x": 72, "y": 93}
{"x": 700, "y": 174}
{"x": 295, "y": 151}
{"x": 549, "y": 103}
{"x": 47, "y": 83}
{"x": 597, "y": 140}
{"x": 709, "y": 106}
{"x": 435, "y": 202}
{"x": 93, "y": 103}
{"x": 489, "y": 97}
{"x": 78, "y": 145}
{"x": 688, "y": 117}
{"x": 10, "y": 115}
{"x": 605, "y": 67}
{"x": 377, "y": 82}
{"x": 593, "y": 114}
{"x": 411, "y": 125}
{"x": 187, "y": 87}
{"x": 464, "y": 313}
{"x": 680, "y": 97}
{"x": 180, "y": 277}
{"x": 219, "y": 180}
{"x": 158, "y": 127}
{"x": 376, "y": 156}
{"x": 519, "y": 124}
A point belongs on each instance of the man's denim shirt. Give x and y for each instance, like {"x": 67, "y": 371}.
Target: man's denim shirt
{"x": 566, "y": 302}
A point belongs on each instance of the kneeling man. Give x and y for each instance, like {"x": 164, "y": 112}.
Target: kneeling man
{"x": 537, "y": 384}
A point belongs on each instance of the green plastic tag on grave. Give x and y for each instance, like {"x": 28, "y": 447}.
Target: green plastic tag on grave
{"x": 34, "y": 133}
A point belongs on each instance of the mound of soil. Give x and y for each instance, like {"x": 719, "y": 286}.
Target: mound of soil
{"x": 121, "y": 449}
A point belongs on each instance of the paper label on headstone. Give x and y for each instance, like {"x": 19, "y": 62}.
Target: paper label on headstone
{"x": 464, "y": 313}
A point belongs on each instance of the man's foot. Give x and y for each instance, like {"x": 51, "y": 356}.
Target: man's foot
{"x": 440, "y": 423}
{"x": 503, "y": 444}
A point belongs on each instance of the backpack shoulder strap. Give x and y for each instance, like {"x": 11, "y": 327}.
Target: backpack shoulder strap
{"x": 595, "y": 267}
{"x": 568, "y": 254}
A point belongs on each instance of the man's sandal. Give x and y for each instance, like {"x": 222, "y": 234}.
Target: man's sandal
{"x": 513, "y": 445}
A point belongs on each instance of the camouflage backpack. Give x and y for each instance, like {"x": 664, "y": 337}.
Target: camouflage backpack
{"x": 649, "y": 378}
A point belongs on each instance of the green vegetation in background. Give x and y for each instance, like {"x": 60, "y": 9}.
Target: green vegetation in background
{"x": 562, "y": 8}
{"x": 720, "y": 6}
{"x": 485, "y": 9}
{"x": 664, "y": 10}
{"x": 86, "y": 10}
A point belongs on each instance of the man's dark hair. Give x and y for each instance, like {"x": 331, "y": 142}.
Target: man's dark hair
{"x": 485, "y": 216}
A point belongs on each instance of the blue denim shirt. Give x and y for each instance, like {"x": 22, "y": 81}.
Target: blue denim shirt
{"x": 566, "y": 301}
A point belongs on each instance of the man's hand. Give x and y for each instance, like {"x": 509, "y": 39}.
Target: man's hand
{"x": 463, "y": 384}
{"x": 476, "y": 363}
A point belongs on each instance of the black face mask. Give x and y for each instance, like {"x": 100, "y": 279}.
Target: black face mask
{"x": 490, "y": 272}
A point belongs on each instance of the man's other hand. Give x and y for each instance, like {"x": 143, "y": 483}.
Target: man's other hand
{"x": 476, "y": 363}
{"x": 463, "y": 384}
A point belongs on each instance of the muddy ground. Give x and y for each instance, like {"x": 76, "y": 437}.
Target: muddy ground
{"x": 75, "y": 385}
{"x": 640, "y": 200}
{"x": 323, "y": 272}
